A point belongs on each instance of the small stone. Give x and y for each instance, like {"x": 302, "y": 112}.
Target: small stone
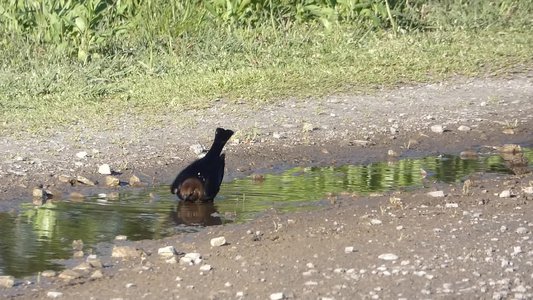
{"x": 121, "y": 238}
{"x": 38, "y": 193}
{"x": 277, "y": 296}
{"x": 436, "y": 194}
{"x": 48, "y": 273}
{"x": 191, "y": 259}
{"x": 348, "y": 249}
{"x": 508, "y": 131}
{"x": 69, "y": 275}
{"x": 171, "y": 260}
{"x": 528, "y": 190}
{"x": 451, "y": 205}
{"x": 104, "y": 169}
{"x": 277, "y": 135}
{"x": 218, "y": 241}
{"x": 130, "y": 285}
{"x": 308, "y": 127}
{"x": 81, "y": 154}
{"x": 82, "y": 267}
{"x": 167, "y": 251}
{"x": 112, "y": 181}
{"x": 463, "y": 128}
{"x": 134, "y": 181}
{"x": 505, "y": 194}
{"x": 125, "y": 252}
{"x": 399, "y": 227}
{"x": 7, "y": 281}
{"x": 64, "y": 178}
{"x": 197, "y": 149}
{"x": 94, "y": 261}
{"x": 84, "y": 180}
{"x": 522, "y": 230}
{"x": 97, "y": 274}
{"x": 388, "y": 256}
{"x": 437, "y": 128}
{"x": 205, "y": 268}
{"x": 375, "y": 222}
{"x": 78, "y": 254}
{"x": 52, "y": 294}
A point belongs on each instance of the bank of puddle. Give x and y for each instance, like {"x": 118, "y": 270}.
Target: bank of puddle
{"x": 34, "y": 238}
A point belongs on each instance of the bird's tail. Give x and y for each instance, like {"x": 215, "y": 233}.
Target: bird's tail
{"x": 221, "y": 138}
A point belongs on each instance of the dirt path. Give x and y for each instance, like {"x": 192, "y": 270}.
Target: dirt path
{"x": 475, "y": 247}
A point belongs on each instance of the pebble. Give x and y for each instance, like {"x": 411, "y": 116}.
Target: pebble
{"x": 522, "y": 230}
{"x": 52, "y": 294}
{"x": 167, "y": 251}
{"x": 218, "y": 241}
{"x": 124, "y": 252}
{"x": 84, "y": 180}
{"x": 130, "y": 285}
{"x": 307, "y": 127}
{"x": 69, "y": 275}
{"x": 505, "y": 194}
{"x": 97, "y": 274}
{"x": 388, "y": 256}
{"x": 112, "y": 181}
{"x": 191, "y": 259}
{"x": 48, "y": 273}
{"x": 463, "y": 128}
{"x": 121, "y": 237}
{"x": 81, "y": 154}
{"x": 436, "y": 194}
{"x": 7, "y": 281}
{"x": 452, "y": 205}
{"x": 197, "y": 149}
{"x": 528, "y": 190}
{"x": 134, "y": 181}
{"x": 277, "y": 296}
{"x": 206, "y": 268}
{"x": 375, "y": 222}
{"x": 437, "y": 128}
{"x": 347, "y": 250}
{"x": 94, "y": 261}
{"x": 104, "y": 169}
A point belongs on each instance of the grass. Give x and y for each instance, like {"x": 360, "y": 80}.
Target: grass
{"x": 42, "y": 89}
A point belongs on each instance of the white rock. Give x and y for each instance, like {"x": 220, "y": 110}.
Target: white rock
{"x": 522, "y": 230}
{"x": 191, "y": 259}
{"x": 348, "y": 249}
{"x": 388, "y": 256}
{"x": 307, "y": 127}
{"x": 399, "y": 227}
{"x": 121, "y": 237}
{"x": 452, "y": 205}
{"x": 516, "y": 250}
{"x": 7, "y": 281}
{"x": 218, "y": 241}
{"x": 81, "y": 154}
{"x": 437, "y": 128}
{"x": 375, "y": 222}
{"x": 197, "y": 149}
{"x": 104, "y": 169}
{"x": 528, "y": 190}
{"x": 277, "y": 296}
{"x": 125, "y": 252}
{"x": 463, "y": 128}
{"x": 505, "y": 194}
{"x": 436, "y": 194}
{"x": 205, "y": 268}
{"x": 167, "y": 251}
{"x": 52, "y": 294}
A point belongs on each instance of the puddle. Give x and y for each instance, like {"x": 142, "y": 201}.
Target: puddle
{"x": 33, "y": 238}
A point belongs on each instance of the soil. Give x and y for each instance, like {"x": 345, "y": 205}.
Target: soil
{"x": 471, "y": 243}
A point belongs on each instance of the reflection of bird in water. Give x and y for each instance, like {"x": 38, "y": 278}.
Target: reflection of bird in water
{"x": 199, "y": 213}
{"x": 201, "y": 180}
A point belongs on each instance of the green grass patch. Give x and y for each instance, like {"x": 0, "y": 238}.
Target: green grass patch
{"x": 170, "y": 67}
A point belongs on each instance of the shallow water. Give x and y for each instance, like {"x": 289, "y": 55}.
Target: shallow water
{"x": 31, "y": 239}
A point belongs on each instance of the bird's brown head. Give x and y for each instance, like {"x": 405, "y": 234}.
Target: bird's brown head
{"x": 192, "y": 189}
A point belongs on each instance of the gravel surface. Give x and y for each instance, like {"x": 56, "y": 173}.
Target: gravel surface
{"x": 442, "y": 241}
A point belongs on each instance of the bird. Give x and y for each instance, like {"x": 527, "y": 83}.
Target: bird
{"x": 200, "y": 181}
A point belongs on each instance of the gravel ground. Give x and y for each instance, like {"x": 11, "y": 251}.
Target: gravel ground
{"x": 405, "y": 244}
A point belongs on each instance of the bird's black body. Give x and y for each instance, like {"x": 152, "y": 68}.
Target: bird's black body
{"x": 200, "y": 181}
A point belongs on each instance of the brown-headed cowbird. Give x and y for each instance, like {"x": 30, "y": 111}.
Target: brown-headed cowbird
{"x": 200, "y": 181}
